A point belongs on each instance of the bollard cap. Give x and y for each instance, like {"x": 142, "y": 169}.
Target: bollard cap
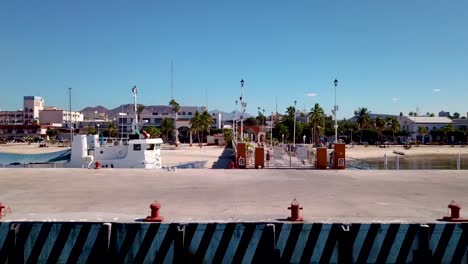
{"x": 155, "y": 205}
{"x": 294, "y": 202}
{"x": 453, "y": 205}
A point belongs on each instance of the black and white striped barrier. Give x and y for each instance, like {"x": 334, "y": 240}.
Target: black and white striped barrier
{"x": 232, "y": 243}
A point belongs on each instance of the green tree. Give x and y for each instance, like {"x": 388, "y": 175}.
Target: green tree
{"x": 167, "y": 126}
{"x": 201, "y": 123}
{"x": 261, "y": 117}
{"x": 291, "y": 110}
{"x": 111, "y": 130}
{"x": 363, "y": 119}
{"x": 422, "y": 131}
{"x": 154, "y": 132}
{"x": 448, "y": 129}
{"x": 456, "y": 115}
{"x": 317, "y": 121}
{"x": 52, "y": 133}
{"x": 175, "y": 109}
{"x": 251, "y": 121}
{"x": 394, "y": 126}
{"x": 380, "y": 126}
{"x": 140, "y": 109}
{"x": 92, "y": 131}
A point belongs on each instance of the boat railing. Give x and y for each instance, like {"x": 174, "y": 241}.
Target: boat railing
{"x": 110, "y": 141}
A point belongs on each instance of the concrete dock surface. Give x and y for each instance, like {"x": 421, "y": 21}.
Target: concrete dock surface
{"x": 204, "y": 195}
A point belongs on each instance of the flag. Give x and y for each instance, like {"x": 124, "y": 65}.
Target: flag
{"x": 134, "y": 90}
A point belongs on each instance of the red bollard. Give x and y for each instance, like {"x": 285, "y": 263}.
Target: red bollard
{"x": 98, "y": 165}
{"x": 155, "y": 217}
{"x": 231, "y": 165}
{"x": 454, "y": 213}
{"x": 295, "y": 211}
{"x": 1, "y": 210}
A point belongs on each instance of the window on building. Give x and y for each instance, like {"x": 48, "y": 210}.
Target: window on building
{"x": 189, "y": 113}
{"x": 183, "y": 113}
{"x": 150, "y": 147}
{"x": 136, "y": 147}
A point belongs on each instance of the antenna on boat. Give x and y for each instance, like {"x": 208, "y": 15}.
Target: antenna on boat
{"x": 135, "y": 120}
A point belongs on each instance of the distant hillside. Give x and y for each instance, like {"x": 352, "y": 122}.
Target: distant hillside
{"x": 99, "y": 109}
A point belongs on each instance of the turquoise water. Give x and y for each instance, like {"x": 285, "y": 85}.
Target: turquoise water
{"x": 59, "y": 156}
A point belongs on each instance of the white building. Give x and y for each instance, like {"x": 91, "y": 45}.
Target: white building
{"x": 411, "y": 124}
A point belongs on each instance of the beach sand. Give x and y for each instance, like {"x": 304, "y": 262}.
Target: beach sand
{"x": 371, "y": 152}
{"x": 209, "y": 156}
{"x": 219, "y": 157}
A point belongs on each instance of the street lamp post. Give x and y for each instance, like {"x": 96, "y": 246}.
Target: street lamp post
{"x": 335, "y": 110}
{"x": 242, "y": 109}
{"x": 271, "y": 130}
{"x": 294, "y": 133}
{"x": 235, "y": 126}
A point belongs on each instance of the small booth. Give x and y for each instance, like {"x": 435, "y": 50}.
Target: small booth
{"x": 241, "y": 158}
{"x": 339, "y": 160}
{"x": 259, "y": 157}
{"x": 321, "y": 158}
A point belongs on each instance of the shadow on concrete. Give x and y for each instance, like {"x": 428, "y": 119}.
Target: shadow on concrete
{"x": 223, "y": 160}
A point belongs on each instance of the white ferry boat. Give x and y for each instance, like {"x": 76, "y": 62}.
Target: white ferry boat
{"x": 139, "y": 151}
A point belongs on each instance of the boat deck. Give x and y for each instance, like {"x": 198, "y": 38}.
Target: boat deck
{"x": 207, "y": 195}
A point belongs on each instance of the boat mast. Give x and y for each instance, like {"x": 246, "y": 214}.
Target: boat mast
{"x": 135, "y": 120}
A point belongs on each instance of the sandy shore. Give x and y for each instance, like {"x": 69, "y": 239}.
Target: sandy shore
{"x": 217, "y": 156}
{"x": 361, "y": 152}
{"x": 25, "y": 148}
{"x": 209, "y": 156}
{"x": 213, "y": 155}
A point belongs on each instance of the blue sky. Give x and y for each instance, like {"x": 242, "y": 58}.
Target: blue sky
{"x": 388, "y": 56}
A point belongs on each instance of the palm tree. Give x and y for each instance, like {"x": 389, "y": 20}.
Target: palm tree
{"x": 140, "y": 109}
{"x": 317, "y": 121}
{"x": 201, "y": 123}
{"x": 448, "y": 129}
{"x": 422, "y": 131}
{"x": 380, "y": 126}
{"x": 363, "y": 119}
{"x": 175, "y": 109}
{"x": 167, "y": 126}
{"x": 394, "y": 125}
{"x": 291, "y": 110}
{"x": 112, "y": 130}
{"x": 195, "y": 124}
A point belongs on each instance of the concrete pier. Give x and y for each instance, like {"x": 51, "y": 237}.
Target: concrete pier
{"x": 121, "y": 195}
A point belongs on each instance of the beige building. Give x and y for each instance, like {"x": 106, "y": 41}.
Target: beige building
{"x": 32, "y": 105}
{"x": 58, "y": 117}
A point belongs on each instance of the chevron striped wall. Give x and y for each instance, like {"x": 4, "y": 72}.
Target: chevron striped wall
{"x": 52, "y": 242}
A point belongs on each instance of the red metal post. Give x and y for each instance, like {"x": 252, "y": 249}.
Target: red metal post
{"x": 295, "y": 208}
{"x": 155, "y": 217}
{"x": 1, "y": 210}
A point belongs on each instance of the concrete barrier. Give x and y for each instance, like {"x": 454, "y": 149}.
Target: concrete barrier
{"x": 54, "y": 242}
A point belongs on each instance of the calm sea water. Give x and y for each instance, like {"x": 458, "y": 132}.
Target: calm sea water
{"x": 424, "y": 162}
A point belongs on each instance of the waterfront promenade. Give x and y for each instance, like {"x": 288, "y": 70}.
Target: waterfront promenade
{"x": 204, "y": 195}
